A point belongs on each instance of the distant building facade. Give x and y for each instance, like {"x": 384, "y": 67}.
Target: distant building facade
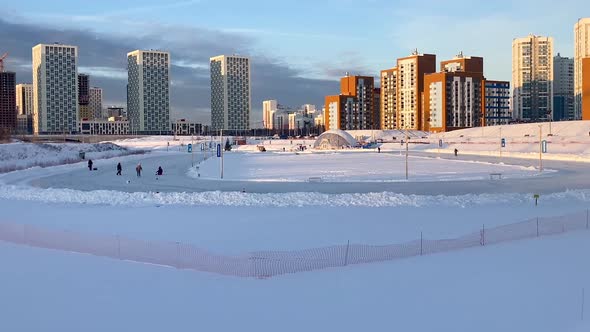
{"x": 410, "y": 86}
{"x": 24, "y": 99}
{"x": 95, "y": 102}
{"x": 269, "y": 109}
{"x": 104, "y": 127}
{"x": 388, "y": 109}
{"x": 230, "y": 93}
{"x": 532, "y": 78}
{"x": 55, "y": 89}
{"x": 453, "y": 97}
{"x": 354, "y": 108}
{"x": 563, "y": 88}
{"x": 84, "y": 97}
{"x": 8, "y": 101}
{"x": 148, "y": 92}
{"x": 582, "y": 69}
{"x": 496, "y": 105}
{"x": 185, "y": 128}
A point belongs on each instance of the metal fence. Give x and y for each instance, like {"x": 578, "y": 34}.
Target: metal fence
{"x": 265, "y": 264}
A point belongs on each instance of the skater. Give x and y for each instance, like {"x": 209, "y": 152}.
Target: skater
{"x": 160, "y": 171}
{"x": 90, "y": 164}
{"x": 138, "y": 169}
{"x": 119, "y": 169}
{"x": 456, "y": 152}
{"x": 378, "y": 150}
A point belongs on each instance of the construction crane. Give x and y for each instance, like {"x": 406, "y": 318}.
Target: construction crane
{"x": 2, "y": 61}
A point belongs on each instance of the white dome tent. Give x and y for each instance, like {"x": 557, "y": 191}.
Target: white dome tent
{"x": 335, "y": 139}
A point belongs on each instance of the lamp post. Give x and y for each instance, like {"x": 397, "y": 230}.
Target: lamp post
{"x": 407, "y": 148}
{"x": 540, "y": 148}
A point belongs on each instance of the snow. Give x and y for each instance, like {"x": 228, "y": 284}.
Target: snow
{"x": 570, "y": 140}
{"x": 530, "y": 285}
{"x": 350, "y": 167}
{"x": 16, "y": 156}
{"x": 524, "y": 286}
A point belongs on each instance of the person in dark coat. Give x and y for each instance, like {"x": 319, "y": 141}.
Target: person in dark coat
{"x": 456, "y": 152}
{"x": 160, "y": 171}
{"x": 119, "y": 169}
{"x": 138, "y": 169}
{"x": 89, "y": 164}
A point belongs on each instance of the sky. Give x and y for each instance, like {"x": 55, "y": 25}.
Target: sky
{"x": 299, "y": 49}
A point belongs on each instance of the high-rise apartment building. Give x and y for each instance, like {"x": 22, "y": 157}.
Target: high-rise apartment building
{"x": 354, "y": 108}
{"x": 453, "y": 97}
{"x": 8, "y": 101}
{"x": 563, "y": 88}
{"x": 388, "y": 109}
{"x": 496, "y": 103}
{"x": 95, "y": 102}
{"x": 148, "y": 92}
{"x": 55, "y": 89}
{"x": 410, "y": 86}
{"x": 24, "y": 99}
{"x": 269, "y": 109}
{"x": 84, "y": 97}
{"x": 532, "y": 78}
{"x": 582, "y": 69}
{"x": 230, "y": 93}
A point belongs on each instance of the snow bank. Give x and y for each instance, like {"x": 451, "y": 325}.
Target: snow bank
{"x": 217, "y": 198}
{"x": 16, "y": 156}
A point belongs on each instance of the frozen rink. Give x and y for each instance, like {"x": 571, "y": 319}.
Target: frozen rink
{"x": 360, "y": 166}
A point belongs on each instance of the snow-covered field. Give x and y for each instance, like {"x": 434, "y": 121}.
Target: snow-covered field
{"x": 568, "y": 140}
{"x": 529, "y": 285}
{"x": 15, "y": 156}
{"x": 351, "y": 167}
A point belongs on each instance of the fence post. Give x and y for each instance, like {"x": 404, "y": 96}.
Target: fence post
{"x": 583, "y": 300}
{"x": 346, "y": 254}
{"x": 118, "y": 246}
{"x": 421, "y": 240}
{"x": 537, "y": 226}
{"x": 178, "y": 255}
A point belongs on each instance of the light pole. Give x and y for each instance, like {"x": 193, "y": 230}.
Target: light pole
{"x": 221, "y": 148}
{"x": 407, "y": 148}
{"x": 540, "y": 148}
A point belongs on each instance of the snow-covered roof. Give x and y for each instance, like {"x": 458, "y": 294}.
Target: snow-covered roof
{"x": 333, "y": 139}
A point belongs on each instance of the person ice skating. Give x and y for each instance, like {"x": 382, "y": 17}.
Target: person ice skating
{"x": 89, "y": 164}
{"x": 160, "y": 171}
{"x": 138, "y": 169}
{"x": 378, "y": 150}
{"x": 119, "y": 169}
{"x": 456, "y": 152}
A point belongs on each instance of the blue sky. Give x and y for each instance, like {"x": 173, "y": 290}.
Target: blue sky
{"x": 310, "y": 42}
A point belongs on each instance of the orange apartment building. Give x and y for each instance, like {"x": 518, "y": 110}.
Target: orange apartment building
{"x": 410, "y": 87}
{"x": 454, "y": 97}
{"x": 585, "y": 89}
{"x": 354, "y": 108}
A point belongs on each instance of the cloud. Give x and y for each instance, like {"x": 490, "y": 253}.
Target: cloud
{"x": 103, "y": 56}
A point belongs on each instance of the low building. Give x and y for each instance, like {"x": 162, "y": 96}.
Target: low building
{"x": 184, "y": 128}
{"x": 24, "y": 124}
{"x": 334, "y": 140}
{"x": 103, "y": 127}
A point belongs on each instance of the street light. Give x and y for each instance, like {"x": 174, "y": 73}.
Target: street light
{"x": 540, "y": 148}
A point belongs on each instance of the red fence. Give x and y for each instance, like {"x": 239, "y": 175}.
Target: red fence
{"x": 265, "y": 264}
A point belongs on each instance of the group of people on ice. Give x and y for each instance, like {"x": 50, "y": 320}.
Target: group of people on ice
{"x": 138, "y": 169}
